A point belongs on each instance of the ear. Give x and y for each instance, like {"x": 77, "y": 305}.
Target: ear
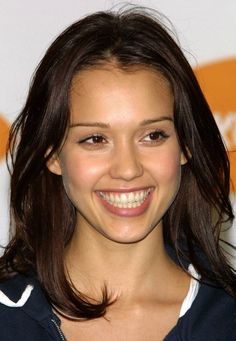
{"x": 183, "y": 159}
{"x": 54, "y": 165}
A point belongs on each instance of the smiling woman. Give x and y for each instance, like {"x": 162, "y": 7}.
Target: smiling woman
{"x": 119, "y": 190}
{"x": 126, "y": 160}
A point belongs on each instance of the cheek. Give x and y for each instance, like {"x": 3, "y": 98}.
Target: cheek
{"x": 166, "y": 167}
{"x": 81, "y": 172}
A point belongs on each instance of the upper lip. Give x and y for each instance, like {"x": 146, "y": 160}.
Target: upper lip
{"x": 125, "y": 190}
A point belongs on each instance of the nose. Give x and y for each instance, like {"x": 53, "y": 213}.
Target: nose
{"x": 126, "y": 163}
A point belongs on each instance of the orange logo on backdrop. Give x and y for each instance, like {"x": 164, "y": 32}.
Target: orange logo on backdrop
{"x": 218, "y": 82}
{"x": 4, "y": 130}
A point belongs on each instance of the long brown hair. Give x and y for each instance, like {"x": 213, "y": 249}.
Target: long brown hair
{"x": 42, "y": 214}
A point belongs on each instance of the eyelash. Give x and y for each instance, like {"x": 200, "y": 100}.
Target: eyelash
{"x": 96, "y": 137}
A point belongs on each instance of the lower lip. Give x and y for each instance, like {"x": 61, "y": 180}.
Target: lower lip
{"x": 127, "y": 212}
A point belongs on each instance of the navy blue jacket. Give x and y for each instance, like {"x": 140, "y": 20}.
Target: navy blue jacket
{"x": 212, "y": 316}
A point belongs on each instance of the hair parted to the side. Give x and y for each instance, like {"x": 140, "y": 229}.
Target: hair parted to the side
{"x": 42, "y": 214}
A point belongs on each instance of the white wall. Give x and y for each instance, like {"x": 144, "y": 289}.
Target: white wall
{"x": 206, "y": 29}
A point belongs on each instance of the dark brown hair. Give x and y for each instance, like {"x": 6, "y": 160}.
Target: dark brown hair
{"x": 42, "y": 214}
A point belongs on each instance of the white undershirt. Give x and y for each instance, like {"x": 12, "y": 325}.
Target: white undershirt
{"x": 192, "y": 292}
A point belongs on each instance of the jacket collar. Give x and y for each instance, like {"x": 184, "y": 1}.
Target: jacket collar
{"x": 36, "y": 305}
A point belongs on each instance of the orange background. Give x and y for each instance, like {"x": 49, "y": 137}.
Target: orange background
{"x": 4, "y": 129}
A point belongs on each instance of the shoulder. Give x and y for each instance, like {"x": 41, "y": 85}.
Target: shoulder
{"x": 212, "y": 316}
{"x": 24, "y": 310}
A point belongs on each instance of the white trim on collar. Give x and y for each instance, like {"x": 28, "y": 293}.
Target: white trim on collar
{"x": 24, "y": 298}
{"x": 192, "y": 292}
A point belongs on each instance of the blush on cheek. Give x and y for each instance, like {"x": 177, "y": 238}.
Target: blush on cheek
{"x": 82, "y": 173}
{"x": 168, "y": 167}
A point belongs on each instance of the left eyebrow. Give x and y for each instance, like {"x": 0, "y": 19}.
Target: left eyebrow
{"x": 159, "y": 119}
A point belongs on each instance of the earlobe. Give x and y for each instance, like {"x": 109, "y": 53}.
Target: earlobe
{"x": 183, "y": 159}
{"x": 53, "y": 164}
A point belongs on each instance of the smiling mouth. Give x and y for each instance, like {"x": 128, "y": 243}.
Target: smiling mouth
{"x": 125, "y": 200}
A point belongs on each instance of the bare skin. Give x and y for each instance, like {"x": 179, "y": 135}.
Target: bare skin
{"x": 150, "y": 291}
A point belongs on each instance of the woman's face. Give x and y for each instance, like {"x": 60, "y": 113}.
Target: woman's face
{"x": 121, "y": 161}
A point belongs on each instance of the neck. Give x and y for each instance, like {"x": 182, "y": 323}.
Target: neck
{"x": 128, "y": 270}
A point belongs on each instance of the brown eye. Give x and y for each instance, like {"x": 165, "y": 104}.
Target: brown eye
{"x": 97, "y": 139}
{"x": 155, "y": 136}
{"x": 93, "y": 139}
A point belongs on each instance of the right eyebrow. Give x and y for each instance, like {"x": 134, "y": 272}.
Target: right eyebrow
{"x": 90, "y": 124}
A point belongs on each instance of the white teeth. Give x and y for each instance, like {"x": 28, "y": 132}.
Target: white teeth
{"x": 125, "y": 200}
{"x": 131, "y": 197}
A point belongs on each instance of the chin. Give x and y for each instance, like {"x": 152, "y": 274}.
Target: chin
{"x": 129, "y": 238}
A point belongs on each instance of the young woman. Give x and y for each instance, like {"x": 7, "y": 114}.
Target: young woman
{"x": 119, "y": 191}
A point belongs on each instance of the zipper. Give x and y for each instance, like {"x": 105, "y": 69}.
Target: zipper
{"x": 62, "y": 337}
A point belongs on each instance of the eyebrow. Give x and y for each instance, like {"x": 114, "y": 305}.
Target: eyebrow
{"x": 105, "y": 125}
{"x": 155, "y": 120}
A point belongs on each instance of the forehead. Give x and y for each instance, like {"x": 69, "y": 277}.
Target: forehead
{"x": 108, "y": 72}
{"x": 108, "y": 91}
